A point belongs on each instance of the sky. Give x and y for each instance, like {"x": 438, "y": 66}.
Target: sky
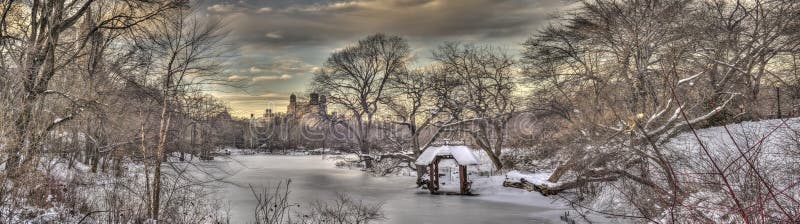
{"x": 277, "y": 45}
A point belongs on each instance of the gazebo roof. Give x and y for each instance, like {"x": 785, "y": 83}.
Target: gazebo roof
{"x": 462, "y": 154}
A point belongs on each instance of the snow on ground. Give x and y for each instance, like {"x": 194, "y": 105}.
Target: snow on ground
{"x": 491, "y": 188}
{"x": 290, "y": 152}
{"x": 769, "y": 137}
{"x": 771, "y": 145}
{"x": 535, "y": 178}
{"x": 236, "y": 151}
{"x": 70, "y": 193}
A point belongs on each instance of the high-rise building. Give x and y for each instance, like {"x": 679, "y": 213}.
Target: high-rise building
{"x": 316, "y": 105}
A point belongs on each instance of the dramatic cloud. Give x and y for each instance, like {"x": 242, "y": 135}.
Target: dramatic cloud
{"x": 237, "y": 78}
{"x": 255, "y": 69}
{"x": 222, "y": 8}
{"x": 271, "y": 77}
{"x": 274, "y": 35}
{"x": 281, "y": 43}
{"x": 265, "y": 10}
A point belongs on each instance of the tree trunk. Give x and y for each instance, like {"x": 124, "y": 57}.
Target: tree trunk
{"x": 192, "y": 143}
{"x": 498, "y": 145}
{"x": 92, "y": 148}
{"x": 495, "y": 159}
{"x": 562, "y": 169}
{"x": 118, "y": 166}
{"x": 421, "y": 170}
{"x": 779, "y": 115}
{"x": 156, "y": 189}
{"x": 364, "y": 143}
{"x": 365, "y": 151}
{"x": 21, "y": 143}
{"x": 145, "y": 156}
{"x": 484, "y": 143}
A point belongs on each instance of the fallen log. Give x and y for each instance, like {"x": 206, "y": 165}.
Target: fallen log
{"x": 553, "y": 189}
{"x": 528, "y": 186}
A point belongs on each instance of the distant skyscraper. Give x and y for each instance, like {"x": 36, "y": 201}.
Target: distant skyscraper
{"x": 315, "y": 105}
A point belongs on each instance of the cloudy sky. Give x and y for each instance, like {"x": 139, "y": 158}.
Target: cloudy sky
{"x": 278, "y": 44}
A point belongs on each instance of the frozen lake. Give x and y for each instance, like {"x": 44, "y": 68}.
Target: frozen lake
{"x": 315, "y": 178}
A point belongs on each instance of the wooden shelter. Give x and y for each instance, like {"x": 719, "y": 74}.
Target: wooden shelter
{"x": 461, "y": 154}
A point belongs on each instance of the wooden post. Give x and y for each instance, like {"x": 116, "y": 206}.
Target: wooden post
{"x": 436, "y": 173}
{"x": 462, "y": 178}
{"x": 431, "y": 179}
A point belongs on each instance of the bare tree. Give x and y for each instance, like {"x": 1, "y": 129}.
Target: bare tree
{"x": 343, "y": 209}
{"x": 355, "y": 79}
{"x": 183, "y": 49}
{"x": 273, "y": 207}
{"x": 484, "y": 83}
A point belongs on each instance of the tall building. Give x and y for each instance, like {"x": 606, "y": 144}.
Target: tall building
{"x": 316, "y": 105}
{"x": 294, "y": 129}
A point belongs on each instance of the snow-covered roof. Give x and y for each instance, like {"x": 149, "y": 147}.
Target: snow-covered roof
{"x": 462, "y": 154}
